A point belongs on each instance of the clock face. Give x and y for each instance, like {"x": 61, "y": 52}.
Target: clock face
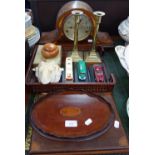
{"x": 84, "y": 30}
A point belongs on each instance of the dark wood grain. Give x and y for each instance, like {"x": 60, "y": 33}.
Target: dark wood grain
{"x": 50, "y": 113}
{"x": 113, "y": 141}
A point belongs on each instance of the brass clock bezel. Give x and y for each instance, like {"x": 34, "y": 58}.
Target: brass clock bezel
{"x": 83, "y": 37}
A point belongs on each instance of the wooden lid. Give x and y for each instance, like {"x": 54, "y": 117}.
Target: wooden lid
{"x": 69, "y": 115}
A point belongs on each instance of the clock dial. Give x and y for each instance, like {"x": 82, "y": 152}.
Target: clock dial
{"x": 85, "y": 27}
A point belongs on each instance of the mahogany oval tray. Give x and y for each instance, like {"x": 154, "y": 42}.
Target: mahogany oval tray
{"x": 71, "y": 115}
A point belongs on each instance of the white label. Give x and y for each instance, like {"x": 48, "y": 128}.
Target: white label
{"x": 116, "y": 124}
{"x": 90, "y": 40}
{"x": 88, "y": 121}
{"x": 69, "y": 69}
{"x": 71, "y": 123}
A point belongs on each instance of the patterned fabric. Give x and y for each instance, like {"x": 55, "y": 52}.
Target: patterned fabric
{"x": 28, "y": 139}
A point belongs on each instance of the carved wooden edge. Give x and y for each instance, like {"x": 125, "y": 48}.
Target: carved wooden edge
{"x": 124, "y": 151}
{"x": 88, "y": 137}
{"x": 89, "y": 86}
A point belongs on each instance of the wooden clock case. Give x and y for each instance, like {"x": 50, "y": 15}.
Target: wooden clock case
{"x": 57, "y": 35}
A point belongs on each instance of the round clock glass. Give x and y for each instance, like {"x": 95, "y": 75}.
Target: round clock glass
{"x": 85, "y": 27}
{"x": 65, "y": 23}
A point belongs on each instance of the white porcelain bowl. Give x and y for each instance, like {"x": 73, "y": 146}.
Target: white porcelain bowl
{"x": 28, "y": 21}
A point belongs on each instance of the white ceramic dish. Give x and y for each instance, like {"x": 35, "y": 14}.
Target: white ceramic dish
{"x": 123, "y": 55}
{"x": 127, "y": 106}
{"x": 123, "y": 29}
{"x": 34, "y": 39}
{"x": 28, "y": 21}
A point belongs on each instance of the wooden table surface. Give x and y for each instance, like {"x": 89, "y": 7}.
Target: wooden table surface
{"x": 113, "y": 141}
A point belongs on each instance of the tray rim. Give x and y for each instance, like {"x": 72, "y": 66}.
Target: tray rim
{"x": 102, "y": 131}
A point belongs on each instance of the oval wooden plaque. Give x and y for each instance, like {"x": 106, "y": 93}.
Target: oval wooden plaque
{"x": 71, "y": 115}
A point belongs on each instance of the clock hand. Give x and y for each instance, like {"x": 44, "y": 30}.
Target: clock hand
{"x": 80, "y": 21}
